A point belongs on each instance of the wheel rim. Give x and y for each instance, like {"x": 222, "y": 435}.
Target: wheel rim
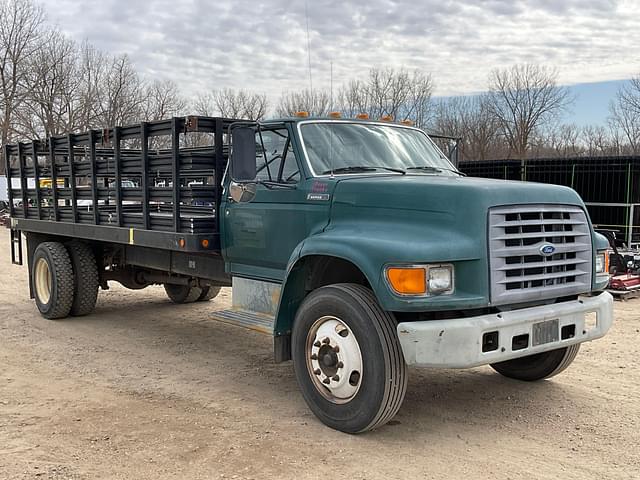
{"x": 334, "y": 360}
{"x": 43, "y": 281}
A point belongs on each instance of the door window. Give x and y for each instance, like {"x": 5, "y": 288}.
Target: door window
{"x": 277, "y": 162}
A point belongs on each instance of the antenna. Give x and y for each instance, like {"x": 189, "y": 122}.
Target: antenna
{"x": 306, "y": 15}
{"x": 331, "y": 85}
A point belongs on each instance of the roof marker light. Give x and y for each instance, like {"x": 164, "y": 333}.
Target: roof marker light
{"x": 335, "y": 115}
{"x": 362, "y": 116}
{"x": 386, "y": 118}
{"x": 302, "y": 114}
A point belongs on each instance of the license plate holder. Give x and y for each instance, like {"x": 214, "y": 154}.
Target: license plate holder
{"x": 545, "y": 332}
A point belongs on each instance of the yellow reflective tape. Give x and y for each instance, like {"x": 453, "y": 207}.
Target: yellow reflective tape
{"x": 131, "y": 236}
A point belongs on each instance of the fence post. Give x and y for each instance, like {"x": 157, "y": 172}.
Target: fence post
{"x": 630, "y": 225}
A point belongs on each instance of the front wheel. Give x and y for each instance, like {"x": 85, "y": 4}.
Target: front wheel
{"x": 538, "y": 366}
{"x": 347, "y": 358}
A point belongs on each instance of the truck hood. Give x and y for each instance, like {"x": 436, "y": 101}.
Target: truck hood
{"x": 429, "y": 218}
{"x": 448, "y": 195}
{"x": 377, "y": 221}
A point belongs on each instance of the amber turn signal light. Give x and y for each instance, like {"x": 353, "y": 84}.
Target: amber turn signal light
{"x": 408, "y": 280}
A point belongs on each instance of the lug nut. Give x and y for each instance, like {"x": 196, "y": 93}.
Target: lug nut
{"x": 336, "y": 349}
{"x": 335, "y": 378}
{"x": 326, "y": 340}
{"x": 326, "y": 381}
{"x": 314, "y": 357}
{"x": 340, "y": 365}
{"x": 317, "y": 344}
{"x": 317, "y": 371}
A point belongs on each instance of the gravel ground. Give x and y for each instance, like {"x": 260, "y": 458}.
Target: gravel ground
{"x": 143, "y": 388}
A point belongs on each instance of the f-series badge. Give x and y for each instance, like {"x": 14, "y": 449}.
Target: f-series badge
{"x": 324, "y": 197}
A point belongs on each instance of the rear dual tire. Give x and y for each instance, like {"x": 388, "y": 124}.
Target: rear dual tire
{"x": 64, "y": 279}
{"x": 85, "y": 278}
{"x": 187, "y": 294}
{"x": 52, "y": 280}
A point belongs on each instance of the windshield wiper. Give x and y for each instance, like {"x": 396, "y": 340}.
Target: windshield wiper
{"x": 362, "y": 168}
{"x": 271, "y": 185}
{"x": 429, "y": 168}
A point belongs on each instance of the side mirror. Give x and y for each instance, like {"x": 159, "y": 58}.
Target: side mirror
{"x": 243, "y": 154}
{"x": 242, "y": 192}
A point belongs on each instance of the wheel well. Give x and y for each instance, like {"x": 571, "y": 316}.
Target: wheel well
{"x": 323, "y": 270}
{"x": 308, "y": 274}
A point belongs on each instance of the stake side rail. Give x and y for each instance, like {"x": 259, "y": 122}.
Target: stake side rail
{"x": 126, "y": 184}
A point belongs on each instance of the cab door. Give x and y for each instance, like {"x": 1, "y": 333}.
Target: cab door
{"x": 261, "y": 235}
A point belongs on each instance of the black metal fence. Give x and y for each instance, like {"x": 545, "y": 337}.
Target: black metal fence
{"x": 610, "y": 186}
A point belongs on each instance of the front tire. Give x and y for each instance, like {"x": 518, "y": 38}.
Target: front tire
{"x": 538, "y": 366}
{"x": 347, "y": 358}
{"x": 52, "y": 280}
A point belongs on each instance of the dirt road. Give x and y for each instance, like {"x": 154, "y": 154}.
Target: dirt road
{"x": 147, "y": 389}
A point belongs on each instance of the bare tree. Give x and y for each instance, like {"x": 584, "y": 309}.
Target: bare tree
{"x": 560, "y": 141}
{"x": 629, "y": 95}
{"x": 353, "y": 99}
{"x": 401, "y": 94}
{"x": 92, "y": 69}
{"x": 470, "y": 119}
{"x": 20, "y": 28}
{"x": 625, "y": 114}
{"x": 163, "y": 100}
{"x": 597, "y": 140}
{"x": 523, "y": 98}
{"x": 316, "y": 102}
{"x": 51, "y": 106}
{"x": 121, "y": 96}
{"x": 232, "y": 104}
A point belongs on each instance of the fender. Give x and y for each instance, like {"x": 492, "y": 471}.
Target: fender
{"x": 370, "y": 245}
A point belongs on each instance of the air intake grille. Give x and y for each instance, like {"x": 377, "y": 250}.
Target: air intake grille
{"x": 538, "y": 252}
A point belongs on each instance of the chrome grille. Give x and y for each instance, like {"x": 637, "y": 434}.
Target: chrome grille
{"x": 520, "y": 271}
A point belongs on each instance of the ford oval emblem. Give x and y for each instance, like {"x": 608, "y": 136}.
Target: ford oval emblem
{"x": 547, "y": 249}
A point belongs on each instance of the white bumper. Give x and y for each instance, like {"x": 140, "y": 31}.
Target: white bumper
{"x": 458, "y": 343}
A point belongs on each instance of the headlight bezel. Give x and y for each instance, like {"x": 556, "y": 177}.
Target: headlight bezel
{"x": 429, "y": 270}
{"x": 601, "y": 263}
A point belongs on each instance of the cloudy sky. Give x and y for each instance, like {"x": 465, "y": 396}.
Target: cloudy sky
{"x": 262, "y": 46}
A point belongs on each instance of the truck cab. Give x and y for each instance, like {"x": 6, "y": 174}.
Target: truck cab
{"x": 373, "y": 241}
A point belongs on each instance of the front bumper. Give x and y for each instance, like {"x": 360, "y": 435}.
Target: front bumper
{"x": 458, "y": 343}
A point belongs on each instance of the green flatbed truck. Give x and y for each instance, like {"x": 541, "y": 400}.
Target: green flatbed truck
{"x": 356, "y": 244}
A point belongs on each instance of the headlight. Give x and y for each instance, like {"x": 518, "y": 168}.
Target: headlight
{"x": 420, "y": 280}
{"x": 602, "y": 262}
{"x": 440, "y": 279}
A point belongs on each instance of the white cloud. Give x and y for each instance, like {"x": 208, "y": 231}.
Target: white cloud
{"x": 262, "y": 45}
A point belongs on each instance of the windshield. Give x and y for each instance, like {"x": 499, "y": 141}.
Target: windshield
{"x": 343, "y": 147}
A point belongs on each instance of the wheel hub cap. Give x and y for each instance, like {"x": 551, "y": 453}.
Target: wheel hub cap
{"x": 334, "y": 360}
{"x": 42, "y": 281}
